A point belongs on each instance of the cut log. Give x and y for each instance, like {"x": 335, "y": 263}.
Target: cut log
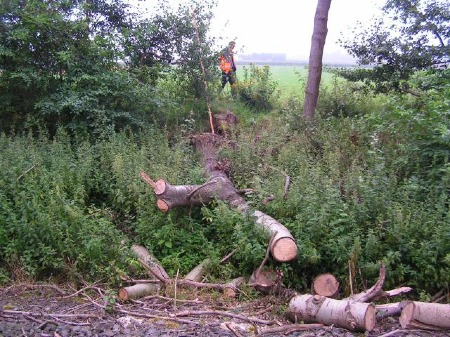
{"x": 325, "y": 285}
{"x": 283, "y": 246}
{"x": 231, "y": 288}
{"x": 197, "y": 273}
{"x": 353, "y": 316}
{"x": 429, "y": 316}
{"x": 149, "y": 262}
{"x": 138, "y": 290}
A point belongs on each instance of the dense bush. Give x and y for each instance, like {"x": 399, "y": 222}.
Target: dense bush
{"x": 257, "y": 89}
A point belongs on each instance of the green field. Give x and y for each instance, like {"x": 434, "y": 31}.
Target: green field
{"x": 292, "y": 78}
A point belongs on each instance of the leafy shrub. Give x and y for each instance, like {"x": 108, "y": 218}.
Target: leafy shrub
{"x": 257, "y": 89}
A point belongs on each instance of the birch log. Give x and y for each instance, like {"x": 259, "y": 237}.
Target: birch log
{"x": 138, "y": 290}
{"x": 353, "y": 316}
{"x": 198, "y": 272}
{"x": 149, "y": 262}
{"x": 429, "y": 316}
{"x": 231, "y": 288}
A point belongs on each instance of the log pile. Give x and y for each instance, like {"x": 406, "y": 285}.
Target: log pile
{"x": 354, "y": 313}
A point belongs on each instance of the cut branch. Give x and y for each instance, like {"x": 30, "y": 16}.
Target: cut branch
{"x": 150, "y": 263}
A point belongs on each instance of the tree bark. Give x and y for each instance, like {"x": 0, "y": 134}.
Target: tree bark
{"x": 197, "y": 273}
{"x": 150, "y": 263}
{"x": 428, "y": 316}
{"x": 389, "y": 309}
{"x": 315, "y": 57}
{"x": 351, "y": 315}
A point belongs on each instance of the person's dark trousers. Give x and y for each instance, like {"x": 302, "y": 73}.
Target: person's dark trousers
{"x": 228, "y": 77}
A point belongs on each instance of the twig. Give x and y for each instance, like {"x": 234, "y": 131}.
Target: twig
{"x": 36, "y": 286}
{"x": 33, "y": 314}
{"x": 290, "y": 328}
{"x": 267, "y": 255}
{"x": 138, "y": 314}
{"x": 26, "y": 172}
{"x": 227, "y": 314}
{"x": 350, "y": 277}
{"x": 287, "y": 180}
{"x": 233, "y": 330}
{"x": 175, "y": 290}
{"x": 228, "y": 256}
{"x": 394, "y": 333}
{"x": 375, "y": 290}
{"x": 80, "y": 291}
{"x": 145, "y": 177}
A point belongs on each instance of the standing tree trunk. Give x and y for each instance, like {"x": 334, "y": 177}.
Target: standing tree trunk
{"x": 315, "y": 57}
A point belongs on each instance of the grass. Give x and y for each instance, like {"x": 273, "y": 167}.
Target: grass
{"x": 291, "y": 79}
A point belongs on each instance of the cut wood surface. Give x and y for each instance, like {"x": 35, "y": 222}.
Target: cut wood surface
{"x": 138, "y": 290}
{"x": 422, "y": 315}
{"x": 354, "y": 316}
{"x": 326, "y": 285}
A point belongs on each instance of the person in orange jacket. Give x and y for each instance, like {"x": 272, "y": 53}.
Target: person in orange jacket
{"x": 227, "y": 65}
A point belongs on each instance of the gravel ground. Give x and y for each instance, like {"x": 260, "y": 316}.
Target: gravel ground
{"x": 46, "y": 310}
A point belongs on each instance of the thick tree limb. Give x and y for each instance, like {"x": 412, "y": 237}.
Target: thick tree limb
{"x": 283, "y": 247}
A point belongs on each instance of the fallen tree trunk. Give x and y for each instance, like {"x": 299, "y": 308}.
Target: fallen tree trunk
{"x": 351, "y": 315}
{"x": 283, "y": 247}
{"x": 428, "y": 316}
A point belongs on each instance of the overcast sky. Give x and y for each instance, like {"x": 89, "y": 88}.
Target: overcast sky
{"x": 285, "y": 26}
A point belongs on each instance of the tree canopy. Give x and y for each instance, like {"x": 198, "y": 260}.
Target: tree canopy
{"x": 414, "y": 35}
{"x": 91, "y": 65}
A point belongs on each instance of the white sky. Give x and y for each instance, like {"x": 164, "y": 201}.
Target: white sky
{"x": 285, "y": 26}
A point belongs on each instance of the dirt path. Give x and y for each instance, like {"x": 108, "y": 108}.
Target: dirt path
{"x": 47, "y": 310}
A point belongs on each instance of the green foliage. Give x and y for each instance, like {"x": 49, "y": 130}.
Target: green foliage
{"x": 257, "y": 89}
{"x": 413, "y": 36}
{"x": 92, "y": 67}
